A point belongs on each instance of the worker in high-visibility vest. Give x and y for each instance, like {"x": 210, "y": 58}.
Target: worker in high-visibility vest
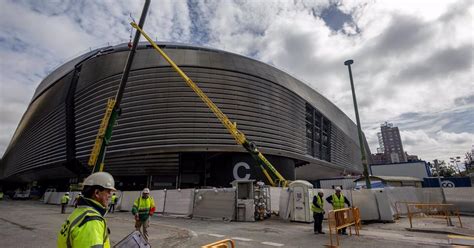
{"x": 317, "y": 207}
{"x": 337, "y": 200}
{"x": 86, "y": 226}
{"x": 1, "y": 195}
{"x": 76, "y": 200}
{"x": 143, "y": 208}
{"x": 113, "y": 201}
{"x": 64, "y": 202}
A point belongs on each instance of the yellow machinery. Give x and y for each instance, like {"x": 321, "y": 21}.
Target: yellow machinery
{"x": 275, "y": 180}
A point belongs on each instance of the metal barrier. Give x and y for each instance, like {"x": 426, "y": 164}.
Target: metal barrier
{"x": 421, "y": 210}
{"x": 226, "y": 243}
{"x": 398, "y": 208}
{"x": 343, "y": 218}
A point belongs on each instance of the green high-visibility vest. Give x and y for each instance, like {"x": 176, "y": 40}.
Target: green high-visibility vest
{"x": 337, "y": 202}
{"x": 64, "y": 199}
{"x": 85, "y": 227}
{"x": 320, "y": 202}
{"x": 114, "y": 199}
{"x": 1, "y": 195}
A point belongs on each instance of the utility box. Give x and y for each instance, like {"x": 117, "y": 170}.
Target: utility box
{"x": 300, "y": 201}
{"x": 243, "y": 189}
{"x": 244, "y": 203}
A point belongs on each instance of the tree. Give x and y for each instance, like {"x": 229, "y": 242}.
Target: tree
{"x": 445, "y": 170}
{"x": 469, "y": 162}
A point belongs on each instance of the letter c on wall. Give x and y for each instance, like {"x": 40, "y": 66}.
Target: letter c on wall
{"x": 236, "y": 171}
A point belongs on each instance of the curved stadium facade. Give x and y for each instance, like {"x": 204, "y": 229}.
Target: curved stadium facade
{"x": 165, "y": 135}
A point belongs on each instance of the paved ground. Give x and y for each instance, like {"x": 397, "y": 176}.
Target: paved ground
{"x": 34, "y": 224}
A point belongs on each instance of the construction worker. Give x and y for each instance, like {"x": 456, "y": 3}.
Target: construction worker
{"x": 76, "y": 200}
{"x": 337, "y": 200}
{"x": 64, "y": 202}
{"x": 113, "y": 201}
{"x": 317, "y": 207}
{"x": 1, "y": 195}
{"x": 86, "y": 226}
{"x": 143, "y": 208}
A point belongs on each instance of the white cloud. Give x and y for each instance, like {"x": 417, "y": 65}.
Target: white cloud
{"x": 440, "y": 145}
{"x": 413, "y": 59}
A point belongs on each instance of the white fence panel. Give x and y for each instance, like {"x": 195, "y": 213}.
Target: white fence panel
{"x": 179, "y": 201}
{"x": 159, "y": 197}
{"x": 126, "y": 200}
{"x": 214, "y": 203}
{"x": 275, "y": 198}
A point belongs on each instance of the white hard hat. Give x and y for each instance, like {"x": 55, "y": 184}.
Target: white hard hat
{"x": 338, "y": 188}
{"x": 67, "y": 193}
{"x": 80, "y": 193}
{"x": 103, "y": 179}
{"x": 146, "y": 191}
{"x": 320, "y": 191}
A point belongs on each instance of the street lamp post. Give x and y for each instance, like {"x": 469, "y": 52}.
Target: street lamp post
{"x": 348, "y": 63}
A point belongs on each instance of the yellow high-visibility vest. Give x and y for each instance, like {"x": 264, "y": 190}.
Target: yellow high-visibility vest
{"x": 85, "y": 227}
{"x": 114, "y": 199}
{"x": 64, "y": 199}
{"x": 143, "y": 206}
{"x": 337, "y": 202}
{"x": 320, "y": 202}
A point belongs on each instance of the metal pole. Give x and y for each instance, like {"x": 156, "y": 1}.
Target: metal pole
{"x": 441, "y": 188}
{"x": 131, "y": 55}
{"x": 118, "y": 97}
{"x": 359, "y": 129}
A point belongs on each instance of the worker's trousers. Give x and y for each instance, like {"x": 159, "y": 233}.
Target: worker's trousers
{"x": 144, "y": 225}
{"x": 112, "y": 208}
{"x": 318, "y": 222}
{"x": 63, "y": 208}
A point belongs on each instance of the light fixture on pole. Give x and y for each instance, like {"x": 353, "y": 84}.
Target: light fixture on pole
{"x": 348, "y": 63}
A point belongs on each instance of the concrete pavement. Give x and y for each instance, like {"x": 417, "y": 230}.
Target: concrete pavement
{"x": 34, "y": 224}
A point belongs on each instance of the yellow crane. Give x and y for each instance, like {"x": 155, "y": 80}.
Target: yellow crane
{"x": 277, "y": 179}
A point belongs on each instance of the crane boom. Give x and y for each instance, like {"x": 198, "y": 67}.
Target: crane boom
{"x": 112, "y": 111}
{"x": 231, "y": 126}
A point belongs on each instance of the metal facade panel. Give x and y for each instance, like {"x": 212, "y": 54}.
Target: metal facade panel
{"x": 161, "y": 115}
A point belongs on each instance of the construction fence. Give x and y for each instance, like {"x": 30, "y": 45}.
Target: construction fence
{"x": 198, "y": 203}
{"x": 219, "y": 203}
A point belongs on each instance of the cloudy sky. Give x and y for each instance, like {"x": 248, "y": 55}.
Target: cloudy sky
{"x": 413, "y": 59}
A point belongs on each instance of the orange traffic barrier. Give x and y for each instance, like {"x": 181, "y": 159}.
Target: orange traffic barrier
{"x": 423, "y": 210}
{"x": 398, "y": 208}
{"x": 343, "y": 218}
{"x": 226, "y": 243}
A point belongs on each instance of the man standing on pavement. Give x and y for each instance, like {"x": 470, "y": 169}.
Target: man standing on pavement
{"x": 317, "y": 207}
{"x": 64, "y": 202}
{"x": 113, "y": 201}
{"x": 76, "y": 200}
{"x": 86, "y": 226}
{"x": 337, "y": 200}
{"x": 143, "y": 208}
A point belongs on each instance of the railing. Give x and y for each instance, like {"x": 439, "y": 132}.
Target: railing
{"x": 226, "y": 243}
{"x": 343, "y": 218}
{"x": 431, "y": 210}
{"x": 398, "y": 208}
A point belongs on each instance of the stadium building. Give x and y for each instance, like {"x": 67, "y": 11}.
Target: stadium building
{"x": 166, "y": 137}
